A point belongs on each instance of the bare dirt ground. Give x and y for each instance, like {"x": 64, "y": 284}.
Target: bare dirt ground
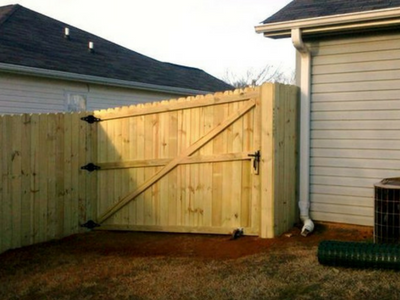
{"x": 135, "y": 265}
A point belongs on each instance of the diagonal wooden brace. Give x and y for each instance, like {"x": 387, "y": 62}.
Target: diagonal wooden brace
{"x": 178, "y": 160}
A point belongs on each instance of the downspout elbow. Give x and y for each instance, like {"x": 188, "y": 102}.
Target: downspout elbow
{"x": 298, "y": 43}
{"x": 308, "y": 226}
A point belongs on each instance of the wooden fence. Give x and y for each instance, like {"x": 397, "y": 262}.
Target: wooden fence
{"x": 43, "y": 192}
{"x": 186, "y": 165}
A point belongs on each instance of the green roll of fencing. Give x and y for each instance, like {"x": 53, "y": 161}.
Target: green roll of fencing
{"x": 359, "y": 255}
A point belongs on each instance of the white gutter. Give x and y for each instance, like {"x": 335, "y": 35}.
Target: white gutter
{"x": 351, "y": 21}
{"x": 23, "y": 70}
{"x": 305, "y": 98}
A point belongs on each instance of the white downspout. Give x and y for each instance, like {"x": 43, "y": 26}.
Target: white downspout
{"x": 305, "y": 99}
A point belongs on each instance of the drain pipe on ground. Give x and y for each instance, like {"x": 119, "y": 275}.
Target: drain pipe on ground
{"x": 305, "y": 90}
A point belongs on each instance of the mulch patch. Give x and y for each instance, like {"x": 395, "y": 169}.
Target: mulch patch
{"x": 200, "y": 246}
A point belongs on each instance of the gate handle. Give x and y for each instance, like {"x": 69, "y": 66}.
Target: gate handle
{"x": 256, "y": 161}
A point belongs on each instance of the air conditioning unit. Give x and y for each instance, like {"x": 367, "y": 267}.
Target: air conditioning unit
{"x": 387, "y": 211}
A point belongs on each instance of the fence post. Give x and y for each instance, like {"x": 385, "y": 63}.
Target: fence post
{"x": 267, "y": 161}
{"x": 278, "y": 167}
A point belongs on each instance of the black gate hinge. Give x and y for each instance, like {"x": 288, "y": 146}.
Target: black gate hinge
{"x": 90, "y": 167}
{"x": 90, "y": 119}
{"x": 90, "y": 224}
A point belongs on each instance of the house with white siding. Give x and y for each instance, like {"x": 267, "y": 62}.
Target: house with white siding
{"x": 49, "y": 66}
{"x": 348, "y": 68}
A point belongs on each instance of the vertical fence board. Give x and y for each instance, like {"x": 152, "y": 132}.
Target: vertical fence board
{"x": 67, "y": 178}
{"x": 267, "y": 162}
{"x": 140, "y": 174}
{"x": 51, "y": 217}
{"x": 279, "y": 114}
{"x": 110, "y": 149}
{"x": 75, "y": 165}
{"x": 172, "y": 186}
{"x": 256, "y": 134}
{"x": 125, "y": 155}
{"x": 290, "y": 155}
{"x": 35, "y": 183}
{"x": 185, "y": 174}
{"x": 194, "y": 186}
{"x": 26, "y": 203}
{"x": 293, "y": 165}
{"x": 102, "y": 157}
{"x": 59, "y": 213}
{"x": 148, "y": 172}
{"x": 226, "y": 171}
{"x": 132, "y": 173}
{"x": 206, "y": 122}
{"x": 181, "y": 170}
{"x": 89, "y": 134}
{"x": 117, "y": 154}
{"x": 15, "y": 134}
{"x": 155, "y": 189}
{"x": 6, "y": 174}
{"x": 237, "y": 174}
{"x": 163, "y": 136}
{"x": 217, "y": 168}
{"x": 84, "y": 157}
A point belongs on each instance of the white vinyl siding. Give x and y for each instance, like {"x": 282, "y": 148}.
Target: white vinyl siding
{"x": 103, "y": 97}
{"x": 355, "y": 125}
{"x": 26, "y": 94}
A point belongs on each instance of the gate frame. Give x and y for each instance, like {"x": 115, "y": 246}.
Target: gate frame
{"x": 278, "y": 118}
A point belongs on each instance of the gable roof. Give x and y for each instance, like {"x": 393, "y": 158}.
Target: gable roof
{"x": 306, "y": 9}
{"x": 35, "y": 42}
{"x": 322, "y": 17}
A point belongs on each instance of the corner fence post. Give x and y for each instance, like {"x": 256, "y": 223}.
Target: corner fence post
{"x": 267, "y": 161}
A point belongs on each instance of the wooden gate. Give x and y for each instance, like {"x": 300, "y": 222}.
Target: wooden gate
{"x": 181, "y": 165}
{"x": 194, "y": 164}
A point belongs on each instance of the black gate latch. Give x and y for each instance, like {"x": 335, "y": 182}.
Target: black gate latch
{"x": 256, "y": 161}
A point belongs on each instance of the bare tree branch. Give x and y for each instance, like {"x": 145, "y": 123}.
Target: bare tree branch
{"x": 269, "y": 73}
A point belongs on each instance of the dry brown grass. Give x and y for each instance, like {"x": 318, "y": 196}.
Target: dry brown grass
{"x": 102, "y": 265}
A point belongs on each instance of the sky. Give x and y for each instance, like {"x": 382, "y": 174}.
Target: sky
{"x": 217, "y": 36}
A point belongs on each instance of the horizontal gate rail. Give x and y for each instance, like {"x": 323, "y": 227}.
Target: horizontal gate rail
{"x": 179, "y": 105}
{"x": 143, "y": 163}
{"x": 177, "y": 229}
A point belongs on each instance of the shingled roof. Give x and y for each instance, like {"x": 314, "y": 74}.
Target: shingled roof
{"x": 30, "y": 39}
{"x": 306, "y": 9}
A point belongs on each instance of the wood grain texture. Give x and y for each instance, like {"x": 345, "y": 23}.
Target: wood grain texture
{"x": 43, "y": 192}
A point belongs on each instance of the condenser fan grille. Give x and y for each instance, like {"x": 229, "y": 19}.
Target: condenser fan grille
{"x": 387, "y": 211}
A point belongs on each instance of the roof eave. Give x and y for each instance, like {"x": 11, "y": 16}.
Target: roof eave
{"x": 52, "y": 74}
{"x": 330, "y": 24}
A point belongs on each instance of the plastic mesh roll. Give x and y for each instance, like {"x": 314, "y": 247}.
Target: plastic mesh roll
{"x": 359, "y": 255}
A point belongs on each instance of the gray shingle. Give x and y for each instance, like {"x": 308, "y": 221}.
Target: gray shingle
{"x": 305, "y": 9}
{"x": 31, "y": 39}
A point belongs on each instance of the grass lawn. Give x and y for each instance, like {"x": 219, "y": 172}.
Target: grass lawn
{"x": 132, "y": 265}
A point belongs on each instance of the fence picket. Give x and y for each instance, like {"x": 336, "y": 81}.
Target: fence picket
{"x": 67, "y": 177}
{"x": 15, "y": 132}
{"x": 7, "y": 211}
{"x": 26, "y": 203}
